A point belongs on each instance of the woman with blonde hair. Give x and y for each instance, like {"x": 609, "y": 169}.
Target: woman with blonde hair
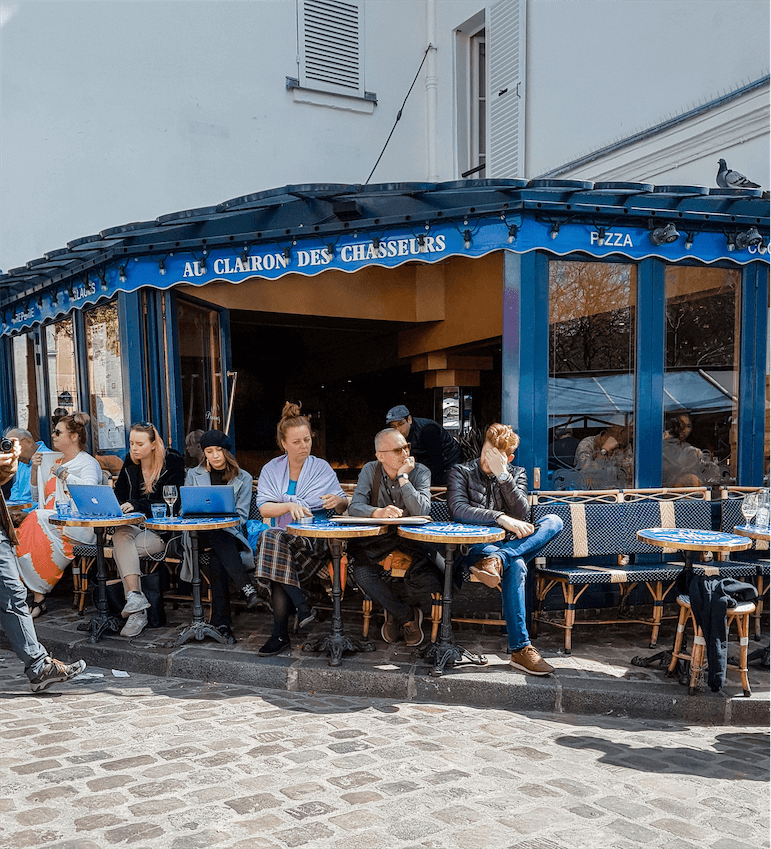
{"x": 147, "y": 469}
{"x": 290, "y": 487}
{"x": 44, "y": 550}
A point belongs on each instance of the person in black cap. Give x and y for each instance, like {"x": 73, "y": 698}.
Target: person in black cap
{"x": 430, "y": 444}
{"x": 231, "y": 557}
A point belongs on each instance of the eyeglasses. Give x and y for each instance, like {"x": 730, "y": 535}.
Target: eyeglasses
{"x": 142, "y": 424}
{"x": 58, "y": 432}
{"x": 400, "y": 450}
{"x": 398, "y": 423}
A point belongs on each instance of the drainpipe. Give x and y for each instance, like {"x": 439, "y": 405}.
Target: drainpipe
{"x": 431, "y": 92}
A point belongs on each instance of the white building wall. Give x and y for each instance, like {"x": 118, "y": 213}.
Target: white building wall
{"x": 119, "y": 110}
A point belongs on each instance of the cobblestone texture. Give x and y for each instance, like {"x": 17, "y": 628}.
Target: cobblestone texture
{"x": 174, "y": 764}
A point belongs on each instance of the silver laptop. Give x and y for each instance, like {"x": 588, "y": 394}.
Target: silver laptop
{"x": 95, "y": 502}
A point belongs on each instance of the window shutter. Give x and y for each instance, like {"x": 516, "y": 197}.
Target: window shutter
{"x": 506, "y": 51}
{"x": 331, "y": 38}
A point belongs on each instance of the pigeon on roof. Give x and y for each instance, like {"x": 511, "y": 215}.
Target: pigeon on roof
{"x": 728, "y": 179}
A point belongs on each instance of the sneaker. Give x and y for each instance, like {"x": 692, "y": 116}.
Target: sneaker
{"x": 390, "y": 630}
{"x": 529, "y": 660}
{"x": 227, "y": 632}
{"x": 251, "y": 596}
{"x": 275, "y": 645}
{"x": 135, "y": 624}
{"x": 488, "y": 571}
{"x": 55, "y": 671}
{"x": 135, "y": 601}
{"x": 413, "y": 633}
{"x": 306, "y": 617}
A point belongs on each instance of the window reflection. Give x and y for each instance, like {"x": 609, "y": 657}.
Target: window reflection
{"x": 62, "y": 375}
{"x": 25, "y": 384}
{"x": 104, "y": 378}
{"x": 591, "y": 374}
{"x": 700, "y": 381}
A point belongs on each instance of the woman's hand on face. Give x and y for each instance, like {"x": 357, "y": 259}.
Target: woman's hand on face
{"x": 127, "y": 507}
{"x": 297, "y": 511}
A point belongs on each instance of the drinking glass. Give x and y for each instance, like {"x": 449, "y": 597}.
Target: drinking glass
{"x": 750, "y": 506}
{"x": 763, "y": 513}
{"x": 170, "y": 497}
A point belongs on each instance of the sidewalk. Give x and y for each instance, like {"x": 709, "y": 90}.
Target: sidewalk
{"x": 596, "y": 680}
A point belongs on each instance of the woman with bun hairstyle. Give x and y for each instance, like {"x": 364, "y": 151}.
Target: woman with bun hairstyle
{"x": 231, "y": 558}
{"x": 44, "y": 550}
{"x": 147, "y": 469}
{"x": 292, "y": 486}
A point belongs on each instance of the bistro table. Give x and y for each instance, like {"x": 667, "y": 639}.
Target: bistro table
{"x": 337, "y": 642}
{"x": 450, "y": 535}
{"x": 756, "y": 532}
{"x": 688, "y": 542}
{"x": 103, "y": 621}
{"x": 198, "y": 628}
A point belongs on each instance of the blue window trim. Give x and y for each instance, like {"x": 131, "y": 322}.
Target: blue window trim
{"x": 132, "y": 360}
{"x": 752, "y": 374}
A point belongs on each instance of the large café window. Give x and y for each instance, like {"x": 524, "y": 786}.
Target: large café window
{"x": 700, "y": 380}
{"x": 104, "y": 379}
{"x": 591, "y": 374}
{"x": 25, "y": 383}
{"x": 60, "y": 364}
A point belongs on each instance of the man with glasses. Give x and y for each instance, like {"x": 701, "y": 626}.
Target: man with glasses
{"x": 431, "y": 444}
{"x": 392, "y": 486}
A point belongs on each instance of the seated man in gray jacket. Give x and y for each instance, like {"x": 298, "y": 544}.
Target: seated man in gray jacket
{"x": 394, "y": 485}
{"x": 493, "y": 491}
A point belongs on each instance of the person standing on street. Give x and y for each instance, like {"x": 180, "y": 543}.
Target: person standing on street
{"x": 42, "y": 670}
{"x": 430, "y": 444}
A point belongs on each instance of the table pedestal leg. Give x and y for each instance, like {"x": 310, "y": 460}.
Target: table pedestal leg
{"x": 445, "y": 652}
{"x": 337, "y": 642}
{"x": 198, "y": 629}
{"x": 103, "y": 621}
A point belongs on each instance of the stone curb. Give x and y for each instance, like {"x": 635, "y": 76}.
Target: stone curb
{"x": 489, "y": 687}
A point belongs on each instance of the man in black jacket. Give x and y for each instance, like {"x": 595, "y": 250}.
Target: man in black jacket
{"x": 430, "y": 444}
{"x": 493, "y": 491}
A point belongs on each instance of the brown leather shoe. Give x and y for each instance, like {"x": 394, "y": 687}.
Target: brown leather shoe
{"x": 529, "y": 660}
{"x": 390, "y": 631}
{"x": 413, "y": 633}
{"x": 488, "y": 571}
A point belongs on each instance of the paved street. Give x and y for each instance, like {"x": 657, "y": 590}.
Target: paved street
{"x": 162, "y": 762}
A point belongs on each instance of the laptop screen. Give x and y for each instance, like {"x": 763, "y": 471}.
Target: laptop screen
{"x": 95, "y": 501}
{"x": 207, "y": 501}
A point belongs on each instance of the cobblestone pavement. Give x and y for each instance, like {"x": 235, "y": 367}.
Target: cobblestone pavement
{"x": 162, "y": 762}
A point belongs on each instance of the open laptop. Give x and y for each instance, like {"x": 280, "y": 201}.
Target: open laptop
{"x": 95, "y": 502}
{"x": 199, "y": 502}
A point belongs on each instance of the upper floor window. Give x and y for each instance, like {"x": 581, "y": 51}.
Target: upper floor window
{"x": 331, "y": 35}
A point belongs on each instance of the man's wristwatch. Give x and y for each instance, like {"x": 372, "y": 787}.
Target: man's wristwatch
{"x": 404, "y": 477}
{"x": 502, "y": 477}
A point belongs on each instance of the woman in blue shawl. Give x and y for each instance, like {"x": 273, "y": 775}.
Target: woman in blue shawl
{"x": 290, "y": 487}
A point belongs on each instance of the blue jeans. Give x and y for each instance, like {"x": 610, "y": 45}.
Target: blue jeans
{"x": 515, "y": 553}
{"x": 14, "y": 613}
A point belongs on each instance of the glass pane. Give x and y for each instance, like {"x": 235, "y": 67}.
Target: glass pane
{"x": 700, "y": 380}
{"x": 201, "y": 367}
{"x": 591, "y": 374}
{"x": 60, "y": 362}
{"x": 25, "y": 384}
{"x": 108, "y": 426}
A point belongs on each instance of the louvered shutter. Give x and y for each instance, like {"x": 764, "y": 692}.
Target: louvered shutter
{"x": 331, "y": 41}
{"x": 506, "y": 51}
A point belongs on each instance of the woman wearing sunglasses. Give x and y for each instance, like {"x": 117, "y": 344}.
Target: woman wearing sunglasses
{"x": 44, "y": 551}
{"x": 147, "y": 469}
{"x": 291, "y": 487}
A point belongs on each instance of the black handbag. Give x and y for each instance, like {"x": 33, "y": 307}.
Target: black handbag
{"x": 153, "y": 586}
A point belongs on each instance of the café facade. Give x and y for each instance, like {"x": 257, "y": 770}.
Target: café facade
{"x": 563, "y": 307}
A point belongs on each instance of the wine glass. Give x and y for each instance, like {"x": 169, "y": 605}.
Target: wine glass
{"x": 170, "y": 497}
{"x": 750, "y": 506}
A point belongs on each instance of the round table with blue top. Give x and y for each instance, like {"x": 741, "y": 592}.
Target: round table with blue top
{"x": 334, "y": 533}
{"x": 198, "y": 628}
{"x": 103, "y": 621}
{"x": 450, "y": 535}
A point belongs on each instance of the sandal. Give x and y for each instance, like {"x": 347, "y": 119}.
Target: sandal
{"x": 38, "y": 608}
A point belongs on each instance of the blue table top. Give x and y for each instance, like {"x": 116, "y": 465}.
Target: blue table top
{"x": 450, "y": 531}
{"x": 693, "y": 539}
{"x": 184, "y": 523}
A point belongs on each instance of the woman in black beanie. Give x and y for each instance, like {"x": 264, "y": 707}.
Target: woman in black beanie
{"x": 231, "y": 558}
